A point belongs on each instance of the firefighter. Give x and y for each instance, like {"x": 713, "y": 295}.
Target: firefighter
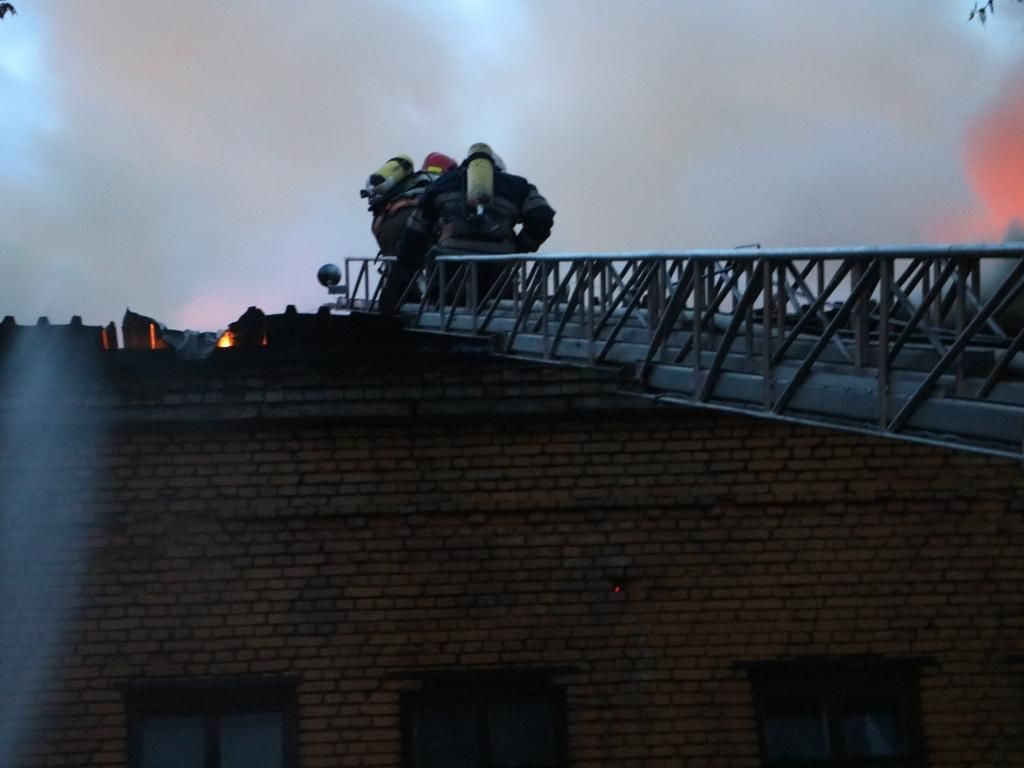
{"x": 392, "y": 192}
{"x": 478, "y": 208}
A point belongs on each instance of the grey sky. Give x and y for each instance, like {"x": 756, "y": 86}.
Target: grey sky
{"x": 189, "y": 159}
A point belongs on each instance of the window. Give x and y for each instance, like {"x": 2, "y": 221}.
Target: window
{"x": 491, "y": 725}
{"x": 861, "y": 718}
{"x": 240, "y": 725}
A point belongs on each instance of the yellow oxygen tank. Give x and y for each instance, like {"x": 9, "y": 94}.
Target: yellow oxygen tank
{"x": 479, "y": 176}
{"x": 385, "y": 178}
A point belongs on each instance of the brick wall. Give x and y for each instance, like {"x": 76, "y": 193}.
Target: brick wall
{"x": 358, "y": 527}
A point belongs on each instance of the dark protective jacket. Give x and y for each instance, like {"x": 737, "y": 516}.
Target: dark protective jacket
{"x": 391, "y": 214}
{"x": 442, "y": 212}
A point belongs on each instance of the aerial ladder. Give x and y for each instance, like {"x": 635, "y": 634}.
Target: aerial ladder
{"x": 920, "y": 343}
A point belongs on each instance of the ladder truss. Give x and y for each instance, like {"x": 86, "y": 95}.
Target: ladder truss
{"x": 920, "y": 343}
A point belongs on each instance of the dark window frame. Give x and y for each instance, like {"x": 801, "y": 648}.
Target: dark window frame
{"x": 211, "y": 700}
{"x": 482, "y": 692}
{"x": 831, "y": 688}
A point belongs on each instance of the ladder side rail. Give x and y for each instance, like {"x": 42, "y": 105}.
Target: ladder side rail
{"x": 472, "y": 298}
{"x": 965, "y": 296}
{"x": 781, "y": 299}
{"x": 655, "y": 297}
{"x": 767, "y": 315}
{"x": 954, "y": 299}
{"x": 959, "y": 311}
{"x": 974, "y": 295}
{"x": 863, "y": 285}
{"x": 750, "y": 337}
{"x": 911, "y": 275}
{"x": 359, "y": 277}
{"x": 371, "y": 293}
{"x": 997, "y": 329}
{"x": 442, "y": 288}
{"x": 562, "y": 284}
{"x": 497, "y": 290}
{"x": 530, "y": 292}
{"x": 933, "y": 290}
{"x": 546, "y": 273}
{"x": 917, "y": 273}
{"x": 704, "y": 318}
{"x": 589, "y": 310}
{"x": 613, "y": 275}
{"x": 858, "y": 319}
{"x": 460, "y": 279}
{"x": 1001, "y": 365}
{"x": 906, "y": 283}
{"x": 736, "y": 293}
{"x": 1009, "y": 289}
{"x": 697, "y": 325}
{"x": 576, "y": 299}
{"x": 1004, "y": 304}
{"x": 885, "y": 299}
{"x": 432, "y": 278}
{"x": 604, "y": 288}
{"x": 750, "y": 296}
{"x": 906, "y": 304}
{"x": 629, "y": 288}
{"x": 413, "y": 280}
{"x": 672, "y": 310}
{"x": 375, "y": 298}
{"x": 823, "y": 296}
{"x": 800, "y": 285}
{"x": 631, "y": 306}
{"x": 715, "y": 278}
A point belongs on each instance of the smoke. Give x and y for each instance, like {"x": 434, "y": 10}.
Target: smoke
{"x": 47, "y": 464}
{"x": 189, "y": 159}
{"x": 1015, "y": 232}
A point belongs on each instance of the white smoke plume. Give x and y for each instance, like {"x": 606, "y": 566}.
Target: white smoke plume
{"x": 46, "y": 461}
{"x": 189, "y": 159}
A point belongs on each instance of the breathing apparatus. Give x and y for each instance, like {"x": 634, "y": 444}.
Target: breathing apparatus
{"x": 386, "y": 179}
{"x": 482, "y": 221}
{"x": 481, "y": 162}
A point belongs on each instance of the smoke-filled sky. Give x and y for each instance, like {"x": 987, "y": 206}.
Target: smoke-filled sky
{"x": 188, "y": 158}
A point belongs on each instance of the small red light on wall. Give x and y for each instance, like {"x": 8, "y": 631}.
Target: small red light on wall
{"x": 616, "y": 588}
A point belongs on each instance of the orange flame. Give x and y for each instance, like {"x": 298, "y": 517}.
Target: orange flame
{"x": 994, "y": 165}
{"x": 154, "y": 342}
{"x": 226, "y": 340}
{"x": 995, "y": 161}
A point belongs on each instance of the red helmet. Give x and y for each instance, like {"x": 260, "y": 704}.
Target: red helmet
{"x": 436, "y": 162}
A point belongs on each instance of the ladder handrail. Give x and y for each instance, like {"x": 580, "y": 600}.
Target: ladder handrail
{"x": 779, "y": 332}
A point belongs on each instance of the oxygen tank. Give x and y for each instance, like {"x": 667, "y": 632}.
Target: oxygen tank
{"x": 387, "y": 177}
{"x": 479, "y": 177}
